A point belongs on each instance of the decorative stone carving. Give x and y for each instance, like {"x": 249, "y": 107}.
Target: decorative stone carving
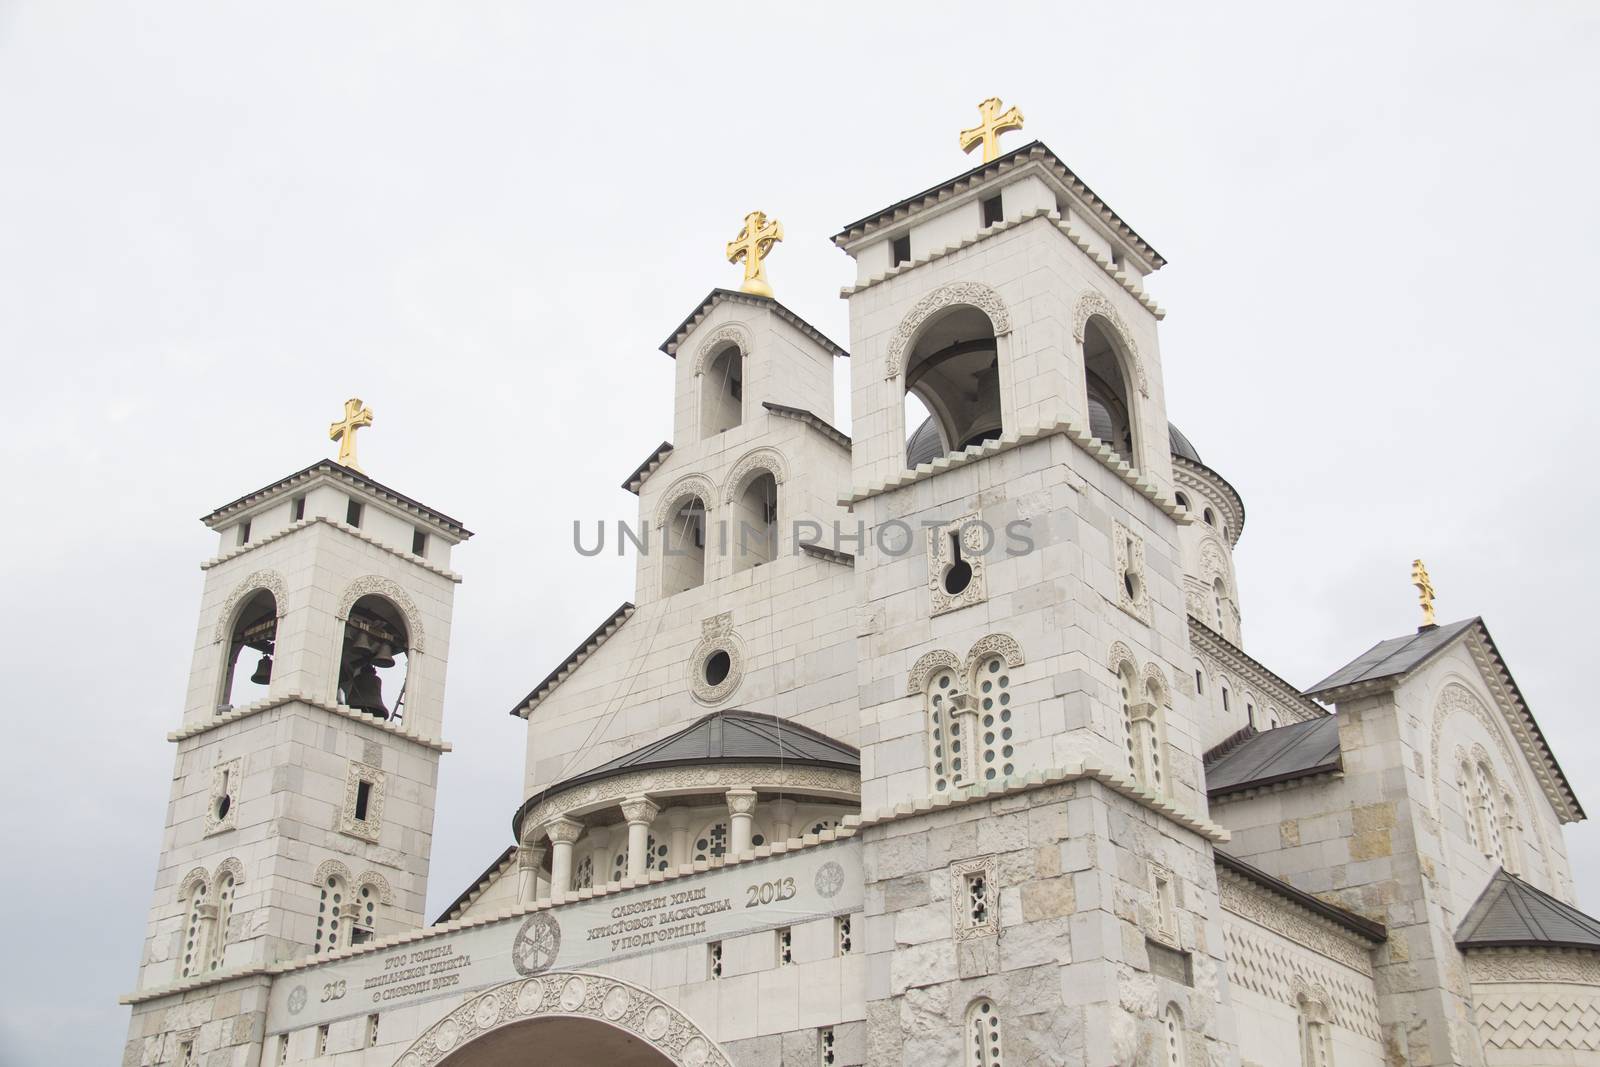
{"x": 971, "y": 294}
{"x": 230, "y": 866}
{"x": 570, "y": 994}
{"x": 767, "y": 459}
{"x": 690, "y": 485}
{"x": 536, "y": 945}
{"x": 379, "y": 883}
{"x": 829, "y": 880}
{"x": 1156, "y": 681}
{"x": 1093, "y": 304}
{"x": 1003, "y": 645}
{"x": 1119, "y": 655}
{"x": 1132, "y": 596}
{"x": 942, "y": 559}
{"x": 640, "y": 809}
{"x": 1533, "y": 965}
{"x": 377, "y": 585}
{"x": 1214, "y": 562}
{"x": 195, "y": 878}
{"x": 741, "y": 801}
{"x": 1251, "y": 902}
{"x": 222, "y": 806}
{"x": 926, "y": 665}
{"x": 271, "y": 581}
{"x": 974, "y": 899}
{"x": 716, "y": 636}
{"x": 563, "y": 831}
{"x": 817, "y": 781}
{"x": 331, "y": 869}
{"x": 367, "y": 828}
{"x": 719, "y": 338}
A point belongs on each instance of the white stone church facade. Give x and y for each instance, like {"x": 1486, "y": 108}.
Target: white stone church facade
{"x": 990, "y": 780}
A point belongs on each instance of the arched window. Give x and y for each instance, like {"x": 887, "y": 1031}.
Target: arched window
{"x": 1127, "y": 686}
{"x": 684, "y": 546}
{"x": 983, "y": 1034}
{"x": 1315, "y": 1047}
{"x": 333, "y": 915}
{"x": 1219, "y": 600}
{"x": 722, "y": 392}
{"x": 655, "y": 859}
{"x": 583, "y": 873}
{"x": 1172, "y": 1022}
{"x": 1250, "y": 713}
{"x": 364, "y": 920}
{"x": 948, "y": 768}
{"x": 755, "y": 523}
{"x": 993, "y": 750}
{"x": 194, "y": 930}
{"x": 219, "y": 938}
{"x": 255, "y": 628}
{"x": 1183, "y": 500}
{"x": 1510, "y": 836}
{"x": 1149, "y": 768}
{"x": 1488, "y": 817}
{"x": 1209, "y": 516}
{"x": 375, "y": 658}
{"x": 1469, "y": 804}
{"x": 954, "y": 373}
{"x": 1272, "y": 718}
{"x": 712, "y": 842}
{"x": 1111, "y": 412}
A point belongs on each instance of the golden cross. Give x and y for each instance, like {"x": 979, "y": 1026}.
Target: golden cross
{"x": 344, "y": 431}
{"x": 753, "y": 245}
{"x": 987, "y": 132}
{"x": 1420, "y": 579}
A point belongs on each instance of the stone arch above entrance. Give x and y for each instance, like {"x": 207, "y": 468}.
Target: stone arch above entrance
{"x": 487, "y": 1022}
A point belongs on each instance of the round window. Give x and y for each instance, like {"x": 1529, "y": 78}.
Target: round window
{"x": 958, "y": 577}
{"x": 717, "y": 666}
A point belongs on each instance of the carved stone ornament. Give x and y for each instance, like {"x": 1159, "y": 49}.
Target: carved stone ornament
{"x": 379, "y": 884}
{"x": 563, "y": 831}
{"x": 1533, "y": 965}
{"x": 536, "y": 945}
{"x": 271, "y": 581}
{"x": 717, "y": 340}
{"x": 824, "y": 782}
{"x": 761, "y": 459}
{"x": 1093, "y": 304}
{"x": 368, "y": 828}
{"x": 690, "y": 485}
{"x": 971, "y": 294}
{"x": 197, "y": 878}
{"x": 1003, "y": 645}
{"x": 716, "y": 636}
{"x": 741, "y": 801}
{"x": 1251, "y": 902}
{"x": 331, "y": 869}
{"x": 1129, "y": 550}
{"x": 961, "y": 902}
{"x": 925, "y": 667}
{"x": 230, "y": 867}
{"x": 639, "y": 809}
{"x": 1155, "y": 682}
{"x": 222, "y": 816}
{"x": 829, "y": 880}
{"x": 1120, "y": 655}
{"x": 377, "y": 585}
{"x": 571, "y": 995}
{"x": 974, "y": 538}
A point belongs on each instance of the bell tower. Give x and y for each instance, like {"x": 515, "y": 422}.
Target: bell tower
{"x": 302, "y": 803}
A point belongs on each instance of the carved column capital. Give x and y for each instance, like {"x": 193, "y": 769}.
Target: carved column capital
{"x": 563, "y": 831}
{"x": 639, "y": 809}
{"x": 531, "y": 857}
{"x": 741, "y": 801}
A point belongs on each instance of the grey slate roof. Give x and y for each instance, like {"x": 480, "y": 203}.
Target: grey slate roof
{"x": 1394, "y": 657}
{"x": 1510, "y": 913}
{"x": 1375, "y": 932}
{"x": 720, "y": 737}
{"x": 1289, "y": 752}
{"x": 717, "y": 296}
{"x": 1181, "y": 446}
{"x": 341, "y": 472}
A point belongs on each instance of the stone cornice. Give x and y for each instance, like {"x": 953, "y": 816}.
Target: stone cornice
{"x": 328, "y": 470}
{"x": 1287, "y": 918}
{"x": 1202, "y": 479}
{"x": 843, "y": 832}
{"x": 1096, "y": 448}
{"x": 811, "y": 419}
{"x": 718, "y": 296}
{"x": 272, "y": 703}
{"x": 1486, "y": 966}
{"x": 642, "y": 473}
{"x": 1237, "y": 663}
{"x": 359, "y": 535}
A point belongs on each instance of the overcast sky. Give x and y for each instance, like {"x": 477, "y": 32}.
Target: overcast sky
{"x": 221, "y": 219}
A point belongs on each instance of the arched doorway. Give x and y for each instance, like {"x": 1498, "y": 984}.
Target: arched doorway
{"x": 561, "y": 1018}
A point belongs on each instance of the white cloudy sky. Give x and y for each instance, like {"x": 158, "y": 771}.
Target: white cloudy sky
{"x": 218, "y": 220}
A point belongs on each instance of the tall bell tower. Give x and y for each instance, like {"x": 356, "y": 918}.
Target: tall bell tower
{"x": 301, "y": 813}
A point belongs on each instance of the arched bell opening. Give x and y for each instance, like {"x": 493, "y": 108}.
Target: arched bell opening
{"x": 953, "y": 374}
{"x": 560, "y": 1039}
{"x": 755, "y": 523}
{"x": 684, "y": 546}
{"x": 722, "y": 392}
{"x": 374, "y": 661}
{"x": 1111, "y": 408}
{"x": 250, "y": 644}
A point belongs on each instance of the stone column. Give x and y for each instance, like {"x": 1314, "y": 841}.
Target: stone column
{"x": 678, "y": 819}
{"x": 640, "y": 811}
{"x": 961, "y": 741}
{"x": 742, "y": 809}
{"x": 781, "y": 812}
{"x": 562, "y": 833}
{"x": 530, "y": 859}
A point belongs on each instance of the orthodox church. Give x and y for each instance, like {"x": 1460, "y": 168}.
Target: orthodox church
{"x": 936, "y": 743}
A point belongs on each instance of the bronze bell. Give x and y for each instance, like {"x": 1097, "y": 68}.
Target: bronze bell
{"x": 384, "y": 655}
{"x": 366, "y": 692}
{"x": 263, "y": 673}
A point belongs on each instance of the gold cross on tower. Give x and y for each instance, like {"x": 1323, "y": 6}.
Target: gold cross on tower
{"x": 753, "y": 245}
{"x": 1420, "y": 579}
{"x": 344, "y": 431}
{"x": 987, "y": 132}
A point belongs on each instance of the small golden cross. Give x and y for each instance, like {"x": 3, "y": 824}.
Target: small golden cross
{"x": 753, "y": 245}
{"x": 987, "y": 132}
{"x": 1420, "y": 579}
{"x": 344, "y": 431}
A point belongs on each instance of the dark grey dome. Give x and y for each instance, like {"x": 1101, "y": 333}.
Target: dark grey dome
{"x": 924, "y": 446}
{"x": 1181, "y": 446}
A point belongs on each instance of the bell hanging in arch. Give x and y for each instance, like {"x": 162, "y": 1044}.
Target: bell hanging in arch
{"x": 263, "y": 673}
{"x": 366, "y": 692}
{"x": 383, "y": 656}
